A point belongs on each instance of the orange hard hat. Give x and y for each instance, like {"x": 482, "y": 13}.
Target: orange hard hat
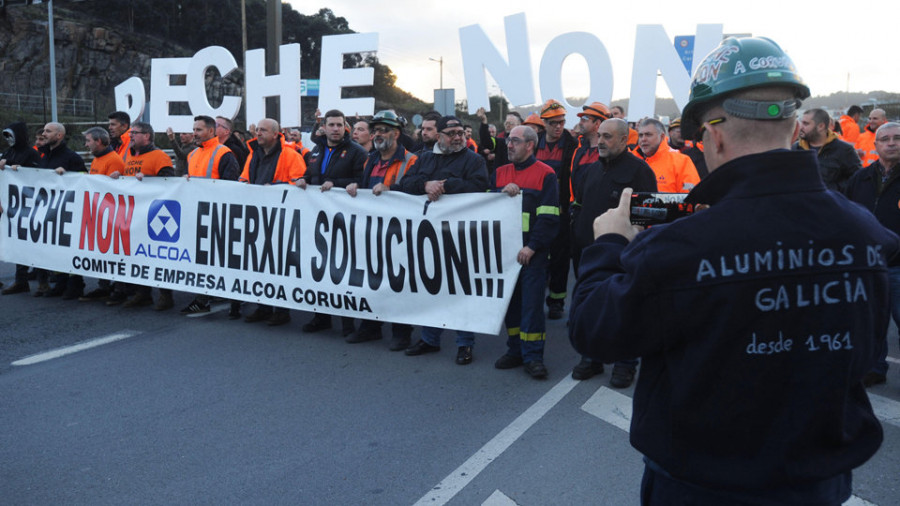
{"x": 596, "y": 109}
{"x": 552, "y": 109}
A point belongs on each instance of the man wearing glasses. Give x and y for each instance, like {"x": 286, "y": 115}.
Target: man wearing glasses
{"x": 449, "y": 168}
{"x": 750, "y": 389}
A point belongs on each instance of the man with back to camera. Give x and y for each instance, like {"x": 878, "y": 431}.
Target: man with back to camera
{"x": 751, "y": 389}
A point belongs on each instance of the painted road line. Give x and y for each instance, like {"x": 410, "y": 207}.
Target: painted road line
{"x": 498, "y": 498}
{"x": 856, "y": 501}
{"x": 887, "y": 410}
{"x": 75, "y": 348}
{"x": 611, "y": 407}
{"x": 444, "y": 491}
{"x": 212, "y": 309}
{"x": 894, "y": 360}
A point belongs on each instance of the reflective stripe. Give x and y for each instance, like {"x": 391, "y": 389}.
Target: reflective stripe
{"x": 403, "y": 167}
{"x": 554, "y": 210}
{"x": 513, "y": 331}
{"x": 526, "y": 220}
{"x": 535, "y": 336}
{"x": 212, "y": 161}
{"x": 558, "y": 296}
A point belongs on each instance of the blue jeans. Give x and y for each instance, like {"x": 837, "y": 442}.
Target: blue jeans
{"x": 881, "y": 347}
{"x": 432, "y": 336}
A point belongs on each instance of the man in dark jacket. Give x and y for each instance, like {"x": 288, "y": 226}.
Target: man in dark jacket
{"x": 877, "y": 187}
{"x": 598, "y": 191}
{"x": 751, "y": 387}
{"x": 450, "y": 168}
{"x": 555, "y": 148}
{"x": 335, "y": 161}
{"x": 21, "y": 153}
{"x": 837, "y": 159}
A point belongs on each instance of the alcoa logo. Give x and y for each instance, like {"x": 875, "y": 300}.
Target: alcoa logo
{"x": 164, "y": 221}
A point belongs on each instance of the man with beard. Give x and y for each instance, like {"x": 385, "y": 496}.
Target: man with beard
{"x": 449, "y": 169}
{"x": 384, "y": 169}
{"x": 837, "y": 159}
{"x": 865, "y": 144}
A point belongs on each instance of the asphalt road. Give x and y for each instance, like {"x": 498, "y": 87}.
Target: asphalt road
{"x": 210, "y": 411}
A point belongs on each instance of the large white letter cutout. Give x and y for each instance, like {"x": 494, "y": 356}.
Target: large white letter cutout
{"x": 333, "y": 76}
{"x": 481, "y": 56}
{"x": 131, "y": 97}
{"x": 165, "y": 93}
{"x": 600, "y": 73}
{"x": 285, "y": 85}
{"x": 223, "y": 61}
{"x": 654, "y": 51}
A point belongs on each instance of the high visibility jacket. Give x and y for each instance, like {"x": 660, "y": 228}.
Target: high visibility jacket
{"x": 866, "y": 144}
{"x": 584, "y": 155}
{"x": 123, "y": 144}
{"x": 107, "y": 163}
{"x": 150, "y": 161}
{"x": 472, "y": 145}
{"x": 675, "y": 172}
{"x": 632, "y": 137}
{"x": 849, "y": 129}
{"x": 388, "y": 172}
{"x": 558, "y": 155}
{"x": 540, "y": 200}
{"x": 204, "y": 161}
{"x": 289, "y": 168}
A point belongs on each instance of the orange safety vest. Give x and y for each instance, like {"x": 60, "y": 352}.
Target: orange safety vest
{"x": 122, "y": 150}
{"x": 675, "y": 172}
{"x": 849, "y": 129}
{"x": 204, "y": 161}
{"x": 290, "y": 166}
{"x": 107, "y": 164}
{"x": 632, "y": 137}
{"x": 866, "y": 144}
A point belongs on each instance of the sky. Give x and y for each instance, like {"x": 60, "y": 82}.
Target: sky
{"x": 834, "y": 45}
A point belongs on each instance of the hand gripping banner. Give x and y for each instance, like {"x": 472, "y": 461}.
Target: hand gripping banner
{"x": 393, "y": 257}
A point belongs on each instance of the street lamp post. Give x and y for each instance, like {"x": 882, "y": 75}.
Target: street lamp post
{"x": 441, "y": 61}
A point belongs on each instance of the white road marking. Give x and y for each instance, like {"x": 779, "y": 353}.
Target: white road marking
{"x": 611, "y": 407}
{"x": 498, "y": 498}
{"x": 894, "y": 360}
{"x": 856, "y": 501}
{"x": 68, "y": 350}
{"x": 213, "y": 308}
{"x": 887, "y": 410}
{"x": 444, "y": 491}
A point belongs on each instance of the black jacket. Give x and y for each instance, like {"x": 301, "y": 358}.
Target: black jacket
{"x": 344, "y": 167}
{"x": 837, "y": 161}
{"x": 21, "y": 152}
{"x": 880, "y": 197}
{"x": 601, "y": 188}
{"x": 464, "y": 172}
{"x": 756, "y": 320}
{"x": 61, "y": 156}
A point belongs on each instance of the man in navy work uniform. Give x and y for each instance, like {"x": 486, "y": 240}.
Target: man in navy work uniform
{"x": 756, "y": 318}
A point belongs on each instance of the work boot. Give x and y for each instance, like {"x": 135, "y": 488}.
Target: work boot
{"x": 42, "y": 289}
{"x": 555, "y": 309}
{"x": 536, "y": 369}
{"x": 365, "y": 333}
{"x": 587, "y": 369}
{"x": 421, "y": 348}
{"x": 16, "y": 288}
{"x": 508, "y": 361}
{"x": 464, "y": 355}
{"x": 139, "y": 299}
{"x": 165, "y": 301}
{"x": 279, "y": 318}
{"x": 319, "y": 322}
{"x": 622, "y": 376}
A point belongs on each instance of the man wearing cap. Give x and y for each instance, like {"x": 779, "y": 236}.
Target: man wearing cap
{"x": 689, "y": 148}
{"x": 837, "y": 159}
{"x": 385, "y": 167}
{"x": 555, "y": 148}
{"x": 675, "y": 172}
{"x": 449, "y": 168}
{"x": 751, "y": 389}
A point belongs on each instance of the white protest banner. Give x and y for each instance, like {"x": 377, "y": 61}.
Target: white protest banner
{"x": 393, "y": 257}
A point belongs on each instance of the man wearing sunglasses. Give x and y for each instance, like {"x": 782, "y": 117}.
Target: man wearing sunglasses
{"x": 750, "y": 390}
